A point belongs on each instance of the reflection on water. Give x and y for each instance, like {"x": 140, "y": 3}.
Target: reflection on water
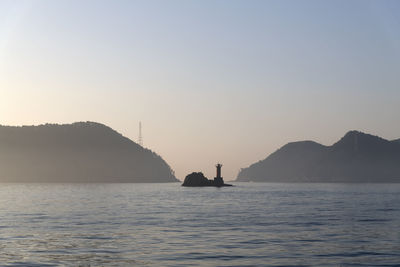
{"x": 169, "y": 225}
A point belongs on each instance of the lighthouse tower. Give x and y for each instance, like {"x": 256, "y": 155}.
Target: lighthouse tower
{"x": 218, "y": 181}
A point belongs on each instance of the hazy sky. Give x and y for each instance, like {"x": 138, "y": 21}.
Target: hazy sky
{"x": 228, "y": 81}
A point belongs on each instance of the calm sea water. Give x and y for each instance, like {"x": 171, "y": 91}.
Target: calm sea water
{"x": 252, "y": 224}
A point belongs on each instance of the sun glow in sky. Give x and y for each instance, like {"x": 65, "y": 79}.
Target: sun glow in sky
{"x": 211, "y": 81}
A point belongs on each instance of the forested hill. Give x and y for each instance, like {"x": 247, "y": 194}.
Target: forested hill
{"x": 78, "y": 152}
{"x": 356, "y": 157}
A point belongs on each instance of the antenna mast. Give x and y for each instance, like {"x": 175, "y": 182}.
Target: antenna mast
{"x": 140, "y": 139}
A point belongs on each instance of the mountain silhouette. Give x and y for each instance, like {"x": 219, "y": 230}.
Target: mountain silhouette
{"x": 356, "y": 157}
{"x": 396, "y": 141}
{"x": 78, "y": 152}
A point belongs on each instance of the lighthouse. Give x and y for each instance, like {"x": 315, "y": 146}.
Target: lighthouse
{"x": 218, "y": 179}
{"x": 198, "y": 179}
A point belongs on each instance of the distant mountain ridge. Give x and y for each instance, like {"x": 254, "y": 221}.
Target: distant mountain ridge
{"x": 356, "y": 157}
{"x": 78, "y": 152}
{"x": 396, "y": 141}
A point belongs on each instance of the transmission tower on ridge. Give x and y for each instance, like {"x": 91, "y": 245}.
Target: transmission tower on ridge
{"x": 140, "y": 139}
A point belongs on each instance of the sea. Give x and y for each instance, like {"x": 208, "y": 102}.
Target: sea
{"x": 251, "y": 224}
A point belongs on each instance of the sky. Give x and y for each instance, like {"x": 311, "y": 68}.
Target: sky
{"x": 211, "y": 81}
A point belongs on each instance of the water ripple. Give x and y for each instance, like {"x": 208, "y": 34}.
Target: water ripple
{"x": 167, "y": 225}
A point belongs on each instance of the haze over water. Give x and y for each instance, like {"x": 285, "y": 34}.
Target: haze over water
{"x": 211, "y": 81}
{"x": 167, "y": 225}
{"x": 228, "y": 81}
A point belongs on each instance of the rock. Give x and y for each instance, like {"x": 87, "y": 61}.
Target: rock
{"x": 197, "y": 179}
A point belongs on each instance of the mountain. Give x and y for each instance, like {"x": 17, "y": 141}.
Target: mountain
{"x": 78, "y": 152}
{"x": 356, "y": 157}
{"x": 396, "y": 141}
